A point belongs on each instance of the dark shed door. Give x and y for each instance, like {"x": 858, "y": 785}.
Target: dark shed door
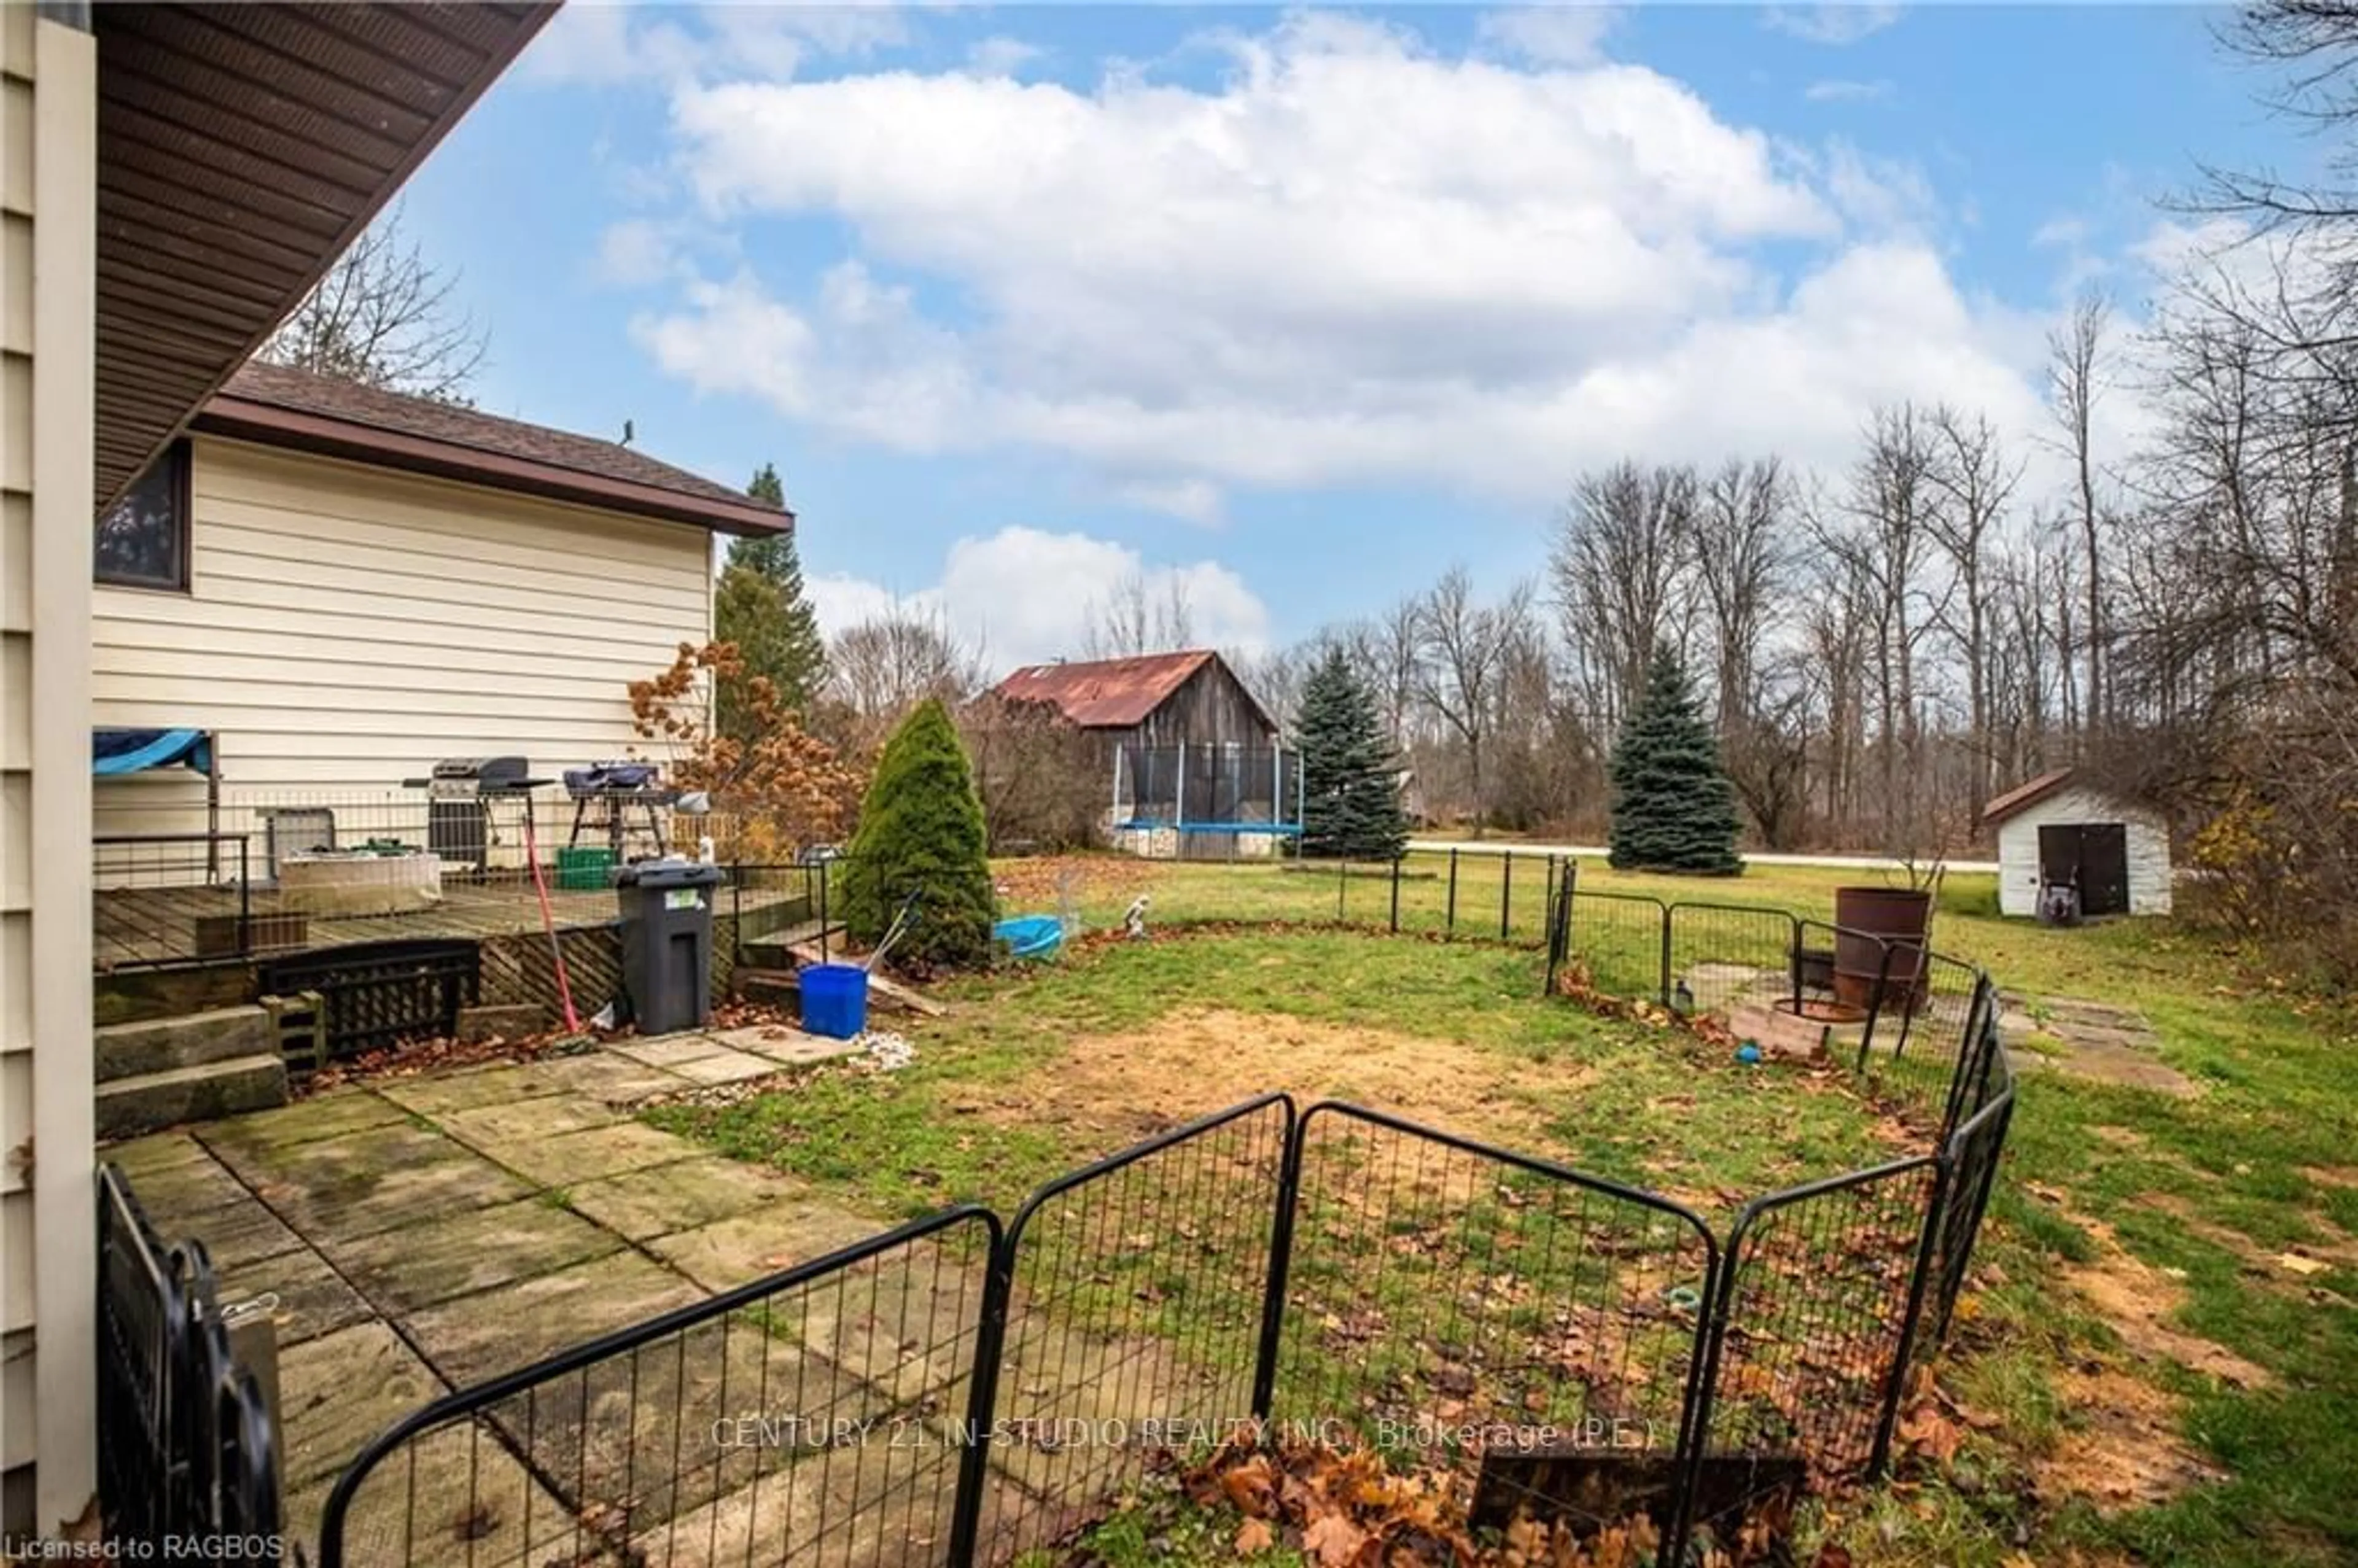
{"x": 2091, "y": 855}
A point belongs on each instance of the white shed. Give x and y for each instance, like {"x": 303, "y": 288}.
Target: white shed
{"x": 2055, "y": 830}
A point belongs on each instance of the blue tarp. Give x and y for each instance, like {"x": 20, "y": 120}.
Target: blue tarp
{"x": 113, "y": 752}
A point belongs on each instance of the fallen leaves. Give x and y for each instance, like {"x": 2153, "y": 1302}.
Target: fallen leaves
{"x": 1346, "y": 1509}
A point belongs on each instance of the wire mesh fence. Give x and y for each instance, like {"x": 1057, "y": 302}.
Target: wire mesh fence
{"x": 1816, "y": 1309}
{"x": 812, "y": 1416}
{"x": 1927, "y": 1010}
{"x": 1136, "y": 1295}
{"x": 1462, "y": 1309}
{"x": 1721, "y": 956}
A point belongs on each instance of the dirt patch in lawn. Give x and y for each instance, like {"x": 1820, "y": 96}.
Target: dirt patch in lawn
{"x": 2125, "y": 1450}
{"x": 2137, "y": 1300}
{"x": 1200, "y": 1059}
{"x": 2291, "y": 1265}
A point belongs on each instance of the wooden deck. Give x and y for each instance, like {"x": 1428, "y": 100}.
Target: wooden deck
{"x": 142, "y": 927}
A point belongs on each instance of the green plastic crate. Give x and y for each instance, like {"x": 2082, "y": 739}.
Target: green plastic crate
{"x": 584, "y": 870}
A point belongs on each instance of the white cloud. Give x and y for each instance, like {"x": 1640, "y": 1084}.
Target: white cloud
{"x": 1025, "y": 594}
{"x": 1189, "y": 500}
{"x": 1001, "y": 56}
{"x": 2065, "y": 233}
{"x": 1552, "y": 35}
{"x": 1349, "y": 262}
{"x": 615, "y": 44}
{"x": 634, "y": 254}
{"x": 1838, "y": 90}
{"x": 1844, "y": 22}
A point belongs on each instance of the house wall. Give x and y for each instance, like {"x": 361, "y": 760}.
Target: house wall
{"x": 48, "y": 139}
{"x": 2018, "y": 850}
{"x": 346, "y": 626}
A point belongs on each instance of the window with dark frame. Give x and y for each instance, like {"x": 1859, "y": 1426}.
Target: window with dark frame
{"x": 143, "y": 539}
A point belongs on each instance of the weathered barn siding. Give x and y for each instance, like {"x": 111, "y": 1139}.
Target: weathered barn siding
{"x": 1211, "y": 708}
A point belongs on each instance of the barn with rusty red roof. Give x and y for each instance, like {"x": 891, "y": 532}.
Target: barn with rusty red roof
{"x": 1196, "y": 766}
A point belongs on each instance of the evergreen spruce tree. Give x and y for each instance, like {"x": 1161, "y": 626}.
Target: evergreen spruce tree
{"x": 1672, "y": 807}
{"x": 761, "y": 606}
{"x": 921, "y": 831}
{"x": 1350, "y": 790}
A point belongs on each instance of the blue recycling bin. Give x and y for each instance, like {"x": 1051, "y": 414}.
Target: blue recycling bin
{"x": 834, "y": 999}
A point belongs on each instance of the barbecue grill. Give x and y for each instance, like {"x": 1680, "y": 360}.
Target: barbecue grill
{"x": 458, "y": 817}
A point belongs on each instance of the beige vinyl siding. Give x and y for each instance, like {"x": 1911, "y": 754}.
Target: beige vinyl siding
{"x": 48, "y": 139}
{"x": 346, "y": 626}
{"x": 17, "y": 1302}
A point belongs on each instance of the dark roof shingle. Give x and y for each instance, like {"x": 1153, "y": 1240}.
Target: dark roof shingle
{"x": 509, "y": 453}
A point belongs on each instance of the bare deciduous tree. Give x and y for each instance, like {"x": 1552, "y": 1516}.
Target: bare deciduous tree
{"x": 1741, "y": 544}
{"x": 1470, "y": 649}
{"x": 2075, "y": 375}
{"x": 1973, "y": 482}
{"x": 885, "y": 665}
{"x": 1133, "y": 619}
{"x": 1618, "y": 562}
{"x": 384, "y": 316}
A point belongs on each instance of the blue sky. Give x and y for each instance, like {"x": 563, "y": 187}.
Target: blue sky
{"x": 1296, "y": 309}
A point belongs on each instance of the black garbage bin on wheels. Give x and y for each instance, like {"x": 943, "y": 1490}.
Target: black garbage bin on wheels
{"x": 667, "y": 942}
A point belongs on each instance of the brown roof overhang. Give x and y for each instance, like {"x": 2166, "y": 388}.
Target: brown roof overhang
{"x": 2023, "y": 796}
{"x": 246, "y": 420}
{"x": 241, "y": 149}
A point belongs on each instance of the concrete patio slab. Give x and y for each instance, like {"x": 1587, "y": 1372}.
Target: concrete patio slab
{"x": 376, "y": 1180}
{"x": 245, "y": 1232}
{"x": 662, "y": 1199}
{"x": 330, "y": 1115}
{"x": 537, "y": 1317}
{"x": 790, "y": 1047}
{"x": 725, "y": 1067}
{"x": 542, "y": 1117}
{"x": 173, "y": 1173}
{"x": 669, "y": 1050}
{"x": 457, "y": 1254}
{"x": 340, "y": 1389}
{"x": 589, "y": 1154}
{"x": 733, "y": 1251}
{"x": 869, "y": 1503}
{"x": 313, "y": 1299}
{"x": 655, "y": 1430}
{"x": 905, "y": 1322}
{"x": 605, "y": 1075}
{"x": 452, "y": 1494}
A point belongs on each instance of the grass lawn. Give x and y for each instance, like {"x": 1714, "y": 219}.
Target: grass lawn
{"x": 2157, "y": 1360}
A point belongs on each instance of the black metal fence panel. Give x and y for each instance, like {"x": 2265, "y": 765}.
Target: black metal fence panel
{"x": 1460, "y": 1308}
{"x": 1725, "y": 956}
{"x": 812, "y": 1417}
{"x": 187, "y": 1451}
{"x": 1974, "y": 1153}
{"x": 1617, "y": 945}
{"x": 1816, "y": 1310}
{"x": 1136, "y": 1295}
